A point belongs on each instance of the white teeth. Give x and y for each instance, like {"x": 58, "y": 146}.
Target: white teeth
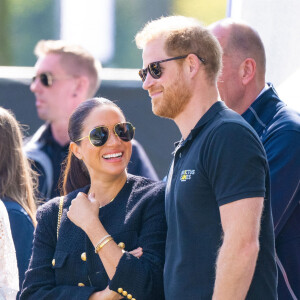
{"x": 112, "y": 155}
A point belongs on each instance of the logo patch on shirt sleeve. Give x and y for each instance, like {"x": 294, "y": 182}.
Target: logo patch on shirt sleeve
{"x": 186, "y": 175}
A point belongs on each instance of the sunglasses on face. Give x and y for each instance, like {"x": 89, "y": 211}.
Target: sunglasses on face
{"x": 154, "y": 68}
{"x": 46, "y": 79}
{"x": 98, "y": 136}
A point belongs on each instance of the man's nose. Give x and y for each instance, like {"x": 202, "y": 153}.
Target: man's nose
{"x": 35, "y": 84}
{"x": 149, "y": 81}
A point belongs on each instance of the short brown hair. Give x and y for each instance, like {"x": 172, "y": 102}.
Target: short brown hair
{"x": 182, "y": 36}
{"x": 75, "y": 59}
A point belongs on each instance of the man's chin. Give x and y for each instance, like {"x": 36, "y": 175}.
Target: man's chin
{"x": 42, "y": 116}
{"x": 161, "y": 113}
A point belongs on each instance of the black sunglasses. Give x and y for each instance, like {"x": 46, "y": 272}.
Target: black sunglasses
{"x": 98, "y": 136}
{"x": 45, "y": 78}
{"x": 154, "y": 68}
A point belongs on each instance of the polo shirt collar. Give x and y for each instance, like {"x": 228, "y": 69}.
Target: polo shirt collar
{"x": 210, "y": 114}
{"x": 263, "y": 110}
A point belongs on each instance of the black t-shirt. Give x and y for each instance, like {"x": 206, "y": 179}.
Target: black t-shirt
{"x": 57, "y": 155}
{"x": 221, "y": 161}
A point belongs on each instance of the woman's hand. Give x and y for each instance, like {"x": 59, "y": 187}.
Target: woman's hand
{"x": 138, "y": 252}
{"x": 106, "y": 294}
{"x": 83, "y": 211}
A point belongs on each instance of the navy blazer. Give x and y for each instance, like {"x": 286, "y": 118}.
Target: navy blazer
{"x": 278, "y": 127}
{"x": 136, "y": 217}
{"x": 22, "y": 233}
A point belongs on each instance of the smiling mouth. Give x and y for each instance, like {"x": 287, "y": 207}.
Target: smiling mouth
{"x": 154, "y": 94}
{"x": 113, "y": 155}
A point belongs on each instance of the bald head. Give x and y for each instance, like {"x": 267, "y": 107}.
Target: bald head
{"x": 244, "y": 63}
{"x": 241, "y": 41}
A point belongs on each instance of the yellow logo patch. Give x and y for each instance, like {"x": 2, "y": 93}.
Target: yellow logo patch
{"x": 186, "y": 175}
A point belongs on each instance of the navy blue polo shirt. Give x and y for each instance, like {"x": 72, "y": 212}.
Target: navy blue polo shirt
{"x": 221, "y": 161}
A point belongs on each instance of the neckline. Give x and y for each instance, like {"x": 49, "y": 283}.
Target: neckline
{"x": 123, "y": 191}
{"x": 110, "y": 200}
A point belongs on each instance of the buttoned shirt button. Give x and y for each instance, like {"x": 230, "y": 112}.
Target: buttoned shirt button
{"x": 81, "y": 284}
{"x": 124, "y": 293}
{"x": 121, "y": 245}
{"x": 133, "y": 299}
{"x": 83, "y": 256}
{"x": 129, "y": 296}
{"x": 120, "y": 290}
{"x": 53, "y": 262}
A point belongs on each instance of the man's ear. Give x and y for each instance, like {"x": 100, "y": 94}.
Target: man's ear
{"x": 247, "y": 70}
{"x": 82, "y": 86}
{"x": 193, "y": 64}
{"x": 76, "y": 150}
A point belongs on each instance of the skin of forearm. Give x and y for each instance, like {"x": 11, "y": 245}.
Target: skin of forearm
{"x": 235, "y": 268}
{"x": 106, "y": 294}
{"x": 110, "y": 254}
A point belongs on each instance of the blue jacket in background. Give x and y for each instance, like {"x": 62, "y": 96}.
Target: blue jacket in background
{"x": 22, "y": 232}
{"x": 279, "y": 130}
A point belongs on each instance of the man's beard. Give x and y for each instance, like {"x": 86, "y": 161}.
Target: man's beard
{"x": 175, "y": 97}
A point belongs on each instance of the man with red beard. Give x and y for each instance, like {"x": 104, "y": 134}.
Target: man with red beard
{"x": 66, "y": 75}
{"x": 220, "y": 241}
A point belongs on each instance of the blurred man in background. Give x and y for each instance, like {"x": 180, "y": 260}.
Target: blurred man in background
{"x": 66, "y": 75}
{"x": 243, "y": 88}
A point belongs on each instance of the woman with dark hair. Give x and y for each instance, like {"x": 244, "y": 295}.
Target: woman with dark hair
{"x": 17, "y": 189}
{"x": 106, "y": 238}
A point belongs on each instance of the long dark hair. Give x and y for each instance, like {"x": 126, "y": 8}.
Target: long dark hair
{"x": 17, "y": 180}
{"x": 75, "y": 174}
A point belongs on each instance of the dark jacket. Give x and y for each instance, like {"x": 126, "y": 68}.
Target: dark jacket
{"x": 279, "y": 130}
{"x": 22, "y": 233}
{"x": 48, "y": 155}
{"x": 136, "y": 217}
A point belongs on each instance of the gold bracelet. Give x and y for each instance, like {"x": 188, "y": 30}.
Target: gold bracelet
{"x": 100, "y": 242}
{"x": 100, "y": 246}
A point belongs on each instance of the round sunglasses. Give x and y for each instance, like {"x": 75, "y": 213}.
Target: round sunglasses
{"x": 98, "y": 136}
{"x": 154, "y": 68}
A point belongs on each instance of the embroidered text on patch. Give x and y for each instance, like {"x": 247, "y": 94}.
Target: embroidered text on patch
{"x": 186, "y": 175}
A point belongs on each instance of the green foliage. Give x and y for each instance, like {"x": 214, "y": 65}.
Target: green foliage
{"x": 31, "y": 21}
{"x": 24, "y": 23}
{"x": 206, "y": 11}
{"x": 126, "y": 23}
{"x": 130, "y": 17}
{"x": 5, "y": 47}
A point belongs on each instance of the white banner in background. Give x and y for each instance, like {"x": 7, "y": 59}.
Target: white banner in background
{"x": 89, "y": 23}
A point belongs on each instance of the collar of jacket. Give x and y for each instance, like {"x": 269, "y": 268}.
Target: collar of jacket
{"x": 263, "y": 110}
